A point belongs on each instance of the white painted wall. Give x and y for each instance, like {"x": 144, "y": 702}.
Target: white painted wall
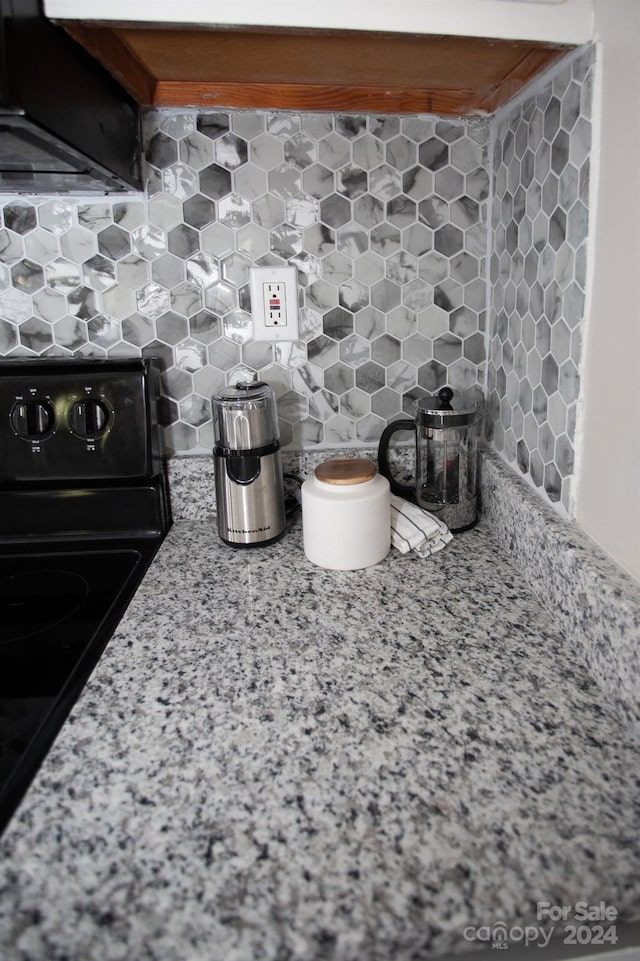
{"x": 565, "y": 21}
{"x": 607, "y": 489}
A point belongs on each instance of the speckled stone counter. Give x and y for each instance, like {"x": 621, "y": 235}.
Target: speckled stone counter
{"x": 595, "y": 603}
{"x": 273, "y": 761}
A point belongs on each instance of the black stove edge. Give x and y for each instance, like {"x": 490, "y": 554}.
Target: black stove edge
{"x": 14, "y": 790}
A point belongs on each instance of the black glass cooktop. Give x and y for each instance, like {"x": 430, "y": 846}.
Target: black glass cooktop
{"x": 57, "y": 612}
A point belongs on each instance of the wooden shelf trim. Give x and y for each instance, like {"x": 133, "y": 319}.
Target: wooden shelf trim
{"x": 314, "y": 70}
{"x": 313, "y": 97}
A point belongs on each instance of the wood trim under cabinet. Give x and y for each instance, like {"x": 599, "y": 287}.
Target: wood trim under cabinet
{"x": 314, "y": 70}
{"x": 532, "y": 63}
{"x": 314, "y": 97}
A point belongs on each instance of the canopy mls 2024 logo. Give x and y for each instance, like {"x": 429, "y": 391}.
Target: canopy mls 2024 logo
{"x": 580, "y": 923}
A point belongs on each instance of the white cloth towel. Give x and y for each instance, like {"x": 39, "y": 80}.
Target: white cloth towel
{"x": 413, "y": 529}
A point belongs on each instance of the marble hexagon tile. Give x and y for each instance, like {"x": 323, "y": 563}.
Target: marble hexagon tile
{"x": 538, "y": 273}
{"x": 384, "y": 217}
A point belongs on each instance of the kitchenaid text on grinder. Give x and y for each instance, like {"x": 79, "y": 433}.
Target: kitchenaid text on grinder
{"x": 252, "y": 530}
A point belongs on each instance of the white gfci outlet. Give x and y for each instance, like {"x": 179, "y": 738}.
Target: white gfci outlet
{"x": 274, "y": 303}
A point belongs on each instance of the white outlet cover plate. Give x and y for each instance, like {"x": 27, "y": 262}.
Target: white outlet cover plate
{"x": 274, "y": 275}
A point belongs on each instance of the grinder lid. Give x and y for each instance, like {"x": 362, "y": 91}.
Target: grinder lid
{"x": 254, "y": 390}
{"x": 244, "y": 416}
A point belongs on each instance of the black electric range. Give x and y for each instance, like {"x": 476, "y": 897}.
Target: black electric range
{"x": 84, "y": 506}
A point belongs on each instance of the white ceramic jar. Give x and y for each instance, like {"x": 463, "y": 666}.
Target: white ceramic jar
{"x": 346, "y": 515}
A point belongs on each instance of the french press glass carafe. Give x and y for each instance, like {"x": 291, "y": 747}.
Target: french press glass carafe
{"x": 446, "y": 458}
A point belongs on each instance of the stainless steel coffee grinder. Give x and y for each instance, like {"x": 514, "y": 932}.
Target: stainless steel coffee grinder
{"x": 248, "y": 469}
{"x": 446, "y": 478}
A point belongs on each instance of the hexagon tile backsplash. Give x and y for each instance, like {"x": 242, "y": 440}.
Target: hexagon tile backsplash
{"x": 385, "y": 219}
{"x": 541, "y": 162}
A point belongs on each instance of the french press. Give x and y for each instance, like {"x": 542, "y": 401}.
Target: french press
{"x": 446, "y": 458}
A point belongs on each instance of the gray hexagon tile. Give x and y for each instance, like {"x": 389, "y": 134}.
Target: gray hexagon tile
{"x": 386, "y": 220}
{"x": 538, "y": 278}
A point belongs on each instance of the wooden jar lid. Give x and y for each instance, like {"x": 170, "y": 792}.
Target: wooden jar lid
{"x": 346, "y": 470}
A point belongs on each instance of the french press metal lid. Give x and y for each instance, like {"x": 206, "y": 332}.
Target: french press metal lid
{"x": 444, "y": 410}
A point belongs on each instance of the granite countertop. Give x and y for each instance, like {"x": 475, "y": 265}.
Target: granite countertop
{"x": 273, "y": 761}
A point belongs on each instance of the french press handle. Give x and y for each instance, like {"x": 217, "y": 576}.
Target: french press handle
{"x": 402, "y": 490}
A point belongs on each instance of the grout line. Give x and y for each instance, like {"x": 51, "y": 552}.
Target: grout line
{"x": 488, "y": 255}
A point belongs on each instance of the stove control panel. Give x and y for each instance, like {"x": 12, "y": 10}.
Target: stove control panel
{"x": 78, "y": 420}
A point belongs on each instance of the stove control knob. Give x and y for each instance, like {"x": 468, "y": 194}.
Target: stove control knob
{"x": 88, "y": 418}
{"x": 32, "y": 419}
